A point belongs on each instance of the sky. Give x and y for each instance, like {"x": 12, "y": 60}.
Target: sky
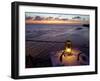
{"x": 58, "y": 15}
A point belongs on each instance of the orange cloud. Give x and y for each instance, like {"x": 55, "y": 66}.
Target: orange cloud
{"x": 55, "y": 22}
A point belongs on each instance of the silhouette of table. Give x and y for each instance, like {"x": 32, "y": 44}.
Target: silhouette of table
{"x": 76, "y": 58}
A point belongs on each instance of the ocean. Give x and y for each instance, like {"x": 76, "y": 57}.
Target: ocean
{"x": 43, "y": 39}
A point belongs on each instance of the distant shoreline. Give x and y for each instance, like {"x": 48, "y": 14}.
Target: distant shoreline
{"x": 67, "y": 22}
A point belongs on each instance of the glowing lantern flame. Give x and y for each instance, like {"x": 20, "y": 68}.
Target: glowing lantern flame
{"x": 68, "y": 50}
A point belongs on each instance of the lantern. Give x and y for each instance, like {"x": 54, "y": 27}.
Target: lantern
{"x": 68, "y": 47}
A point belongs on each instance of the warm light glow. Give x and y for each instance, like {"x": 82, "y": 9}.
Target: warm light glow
{"x": 70, "y": 60}
{"x": 68, "y": 50}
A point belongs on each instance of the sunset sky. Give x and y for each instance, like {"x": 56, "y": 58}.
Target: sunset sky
{"x": 57, "y": 15}
{"x": 55, "y": 18}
